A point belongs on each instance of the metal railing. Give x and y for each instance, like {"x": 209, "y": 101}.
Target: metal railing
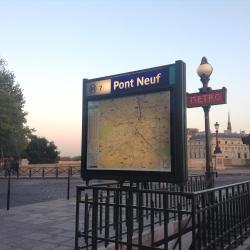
{"x": 39, "y": 173}
{"x": 42, "y": 172}
{"x": 162, "y": 216}
{"x": 221, "y": 217}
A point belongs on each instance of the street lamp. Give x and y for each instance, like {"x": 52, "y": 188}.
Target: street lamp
{"x": 204, "y": 71}
{"x": 217, "y": 147}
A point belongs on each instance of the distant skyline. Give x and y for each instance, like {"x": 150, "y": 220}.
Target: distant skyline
{"x": 52, "y": 45}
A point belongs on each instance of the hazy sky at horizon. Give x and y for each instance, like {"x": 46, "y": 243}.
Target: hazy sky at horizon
{"x": 52, "y": 45}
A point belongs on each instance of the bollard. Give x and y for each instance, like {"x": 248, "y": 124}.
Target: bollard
{"x": 8, "y": 192}
{"x": 56, "y": 172}
{"x": 68, "y": 186}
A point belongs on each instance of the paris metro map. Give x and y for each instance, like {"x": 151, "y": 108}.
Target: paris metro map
{"x": 130, "y": 133}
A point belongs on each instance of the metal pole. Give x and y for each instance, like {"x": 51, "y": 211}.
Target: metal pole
{"x": 8, "y": 192}
{"x": 209, "y": 178}
{"x": 78, "y": 199}
{"x": 217, "y": 144}
{"x": 204, "y": 71}
{"x": 68, "y": 186}
{"x": 217, "y": 148}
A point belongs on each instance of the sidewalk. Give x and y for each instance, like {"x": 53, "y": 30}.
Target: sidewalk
{"x": 40, "y": 226}
{"x": 44, "y": 226}
{"x": 245, "y": 246}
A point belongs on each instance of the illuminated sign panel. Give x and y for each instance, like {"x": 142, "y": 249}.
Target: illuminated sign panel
{"x": 121, "y": 85}
{"x": 154, "y": 79}
{"x": 134, "y": 125}
{"x": 213, "y": 97}
{"x": 130, "y": 133}
{"x": 99, "y": 88}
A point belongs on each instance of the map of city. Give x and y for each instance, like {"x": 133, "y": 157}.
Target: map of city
{"x": 130, "y": 133}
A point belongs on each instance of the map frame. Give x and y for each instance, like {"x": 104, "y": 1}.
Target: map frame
{"x": 173, "y": 79}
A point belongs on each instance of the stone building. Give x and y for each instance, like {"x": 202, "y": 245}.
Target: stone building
{"x": 233, "y": 151}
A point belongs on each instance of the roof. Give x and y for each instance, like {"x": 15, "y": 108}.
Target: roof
{"x": 201, "y": 135}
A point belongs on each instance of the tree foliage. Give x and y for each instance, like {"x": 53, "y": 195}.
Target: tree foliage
{"x": 13, "y": 132}
{"x": 40, "y": 150}
{"x": 76, "y": 158}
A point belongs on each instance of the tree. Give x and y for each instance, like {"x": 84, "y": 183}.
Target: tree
{"x": 76, "y": 158}
{"x": 40, "y": 150}
{"x": 13, "y": 132}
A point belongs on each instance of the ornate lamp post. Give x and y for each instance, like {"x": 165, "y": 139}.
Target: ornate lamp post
{"x": 217, "y": 147}
{"x": 204, "y": 71}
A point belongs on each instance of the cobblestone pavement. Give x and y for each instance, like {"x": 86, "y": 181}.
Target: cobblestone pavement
{"x": 49, "y": 225}
{"x": 28, "y": 191}
{"x": 41, "y": 226}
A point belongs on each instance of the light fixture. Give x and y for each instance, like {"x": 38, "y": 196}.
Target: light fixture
{"x": 204, "y": 71}
{"x": 216, "y": 125}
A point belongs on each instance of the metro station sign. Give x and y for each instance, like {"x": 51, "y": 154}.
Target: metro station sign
{"x": 134, "y": 125}
{"x": 212, "y": 97}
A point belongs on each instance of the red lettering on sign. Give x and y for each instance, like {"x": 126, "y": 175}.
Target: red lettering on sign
{"x": 214, "y": 97}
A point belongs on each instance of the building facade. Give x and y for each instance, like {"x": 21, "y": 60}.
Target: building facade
{"x": 233, "y": 151}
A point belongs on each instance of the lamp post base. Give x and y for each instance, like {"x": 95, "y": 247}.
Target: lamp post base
{"x": 217, "y": 150}
{"x": 210, "y": 179}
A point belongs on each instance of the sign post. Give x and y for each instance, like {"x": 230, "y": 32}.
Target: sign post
{"x": 205, "y": 98}
{"x": 134, "y": 126}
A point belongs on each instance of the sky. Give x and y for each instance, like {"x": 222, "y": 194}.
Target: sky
{"x": 52, "y": 45}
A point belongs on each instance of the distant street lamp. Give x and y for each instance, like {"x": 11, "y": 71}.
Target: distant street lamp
{"x": 217, "y": 147}
{"x": 204, "y": 71}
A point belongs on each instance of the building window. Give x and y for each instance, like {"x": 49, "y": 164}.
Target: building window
{"x": 238, "y": 155}
{"x": 225, "y": 142}
{"x": 245, "y": 155}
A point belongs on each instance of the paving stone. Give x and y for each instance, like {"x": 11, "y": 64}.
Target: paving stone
{"x": 68, "y": 234}
{"x": 69, "y": 225}
{"x": 44, "y": 246}
{"x": 5, "y": 247}
{"x": 42, "y": 226}
{"x": 57, "y": 239}
{"x": 70, "y": 242}
{"x": 37, "y": 236}
{"x": 63, "y": 248}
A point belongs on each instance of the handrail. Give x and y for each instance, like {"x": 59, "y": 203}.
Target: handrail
{"x": 219, "y": 188}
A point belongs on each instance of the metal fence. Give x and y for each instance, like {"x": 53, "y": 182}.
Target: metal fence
{"x": 35, "y": 173}
{"x": 221, "y": 217}
{"x": 41, "y": 172}
{"x": 162, "y": 216}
